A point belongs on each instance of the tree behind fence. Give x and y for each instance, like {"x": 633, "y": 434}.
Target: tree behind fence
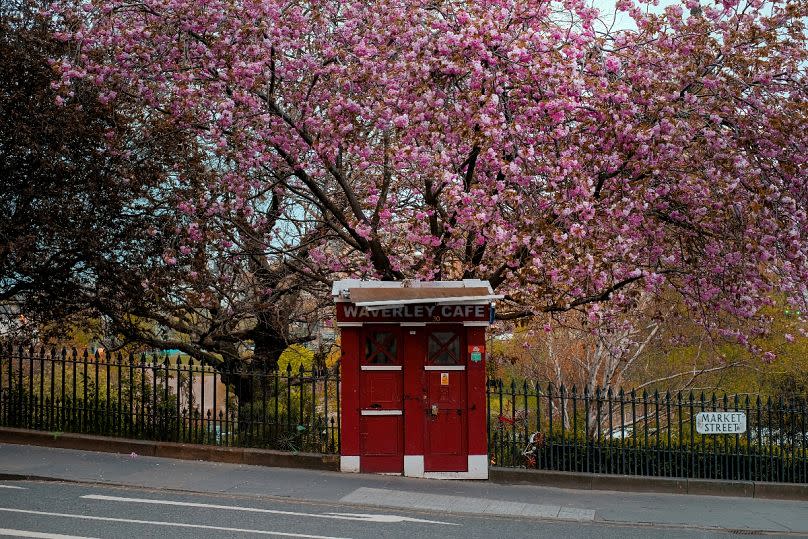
{"x": 156, "y": 397}
{"x": 649, "y": 434}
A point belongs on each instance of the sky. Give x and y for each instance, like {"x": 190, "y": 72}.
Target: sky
{"x": 621, "y": 20}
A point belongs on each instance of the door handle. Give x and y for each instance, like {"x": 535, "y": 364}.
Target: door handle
{"x": 433, "y": 410}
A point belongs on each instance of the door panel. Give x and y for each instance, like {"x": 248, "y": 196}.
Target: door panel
{"x": 446, "y": 431}
{"x": 380, "y": 390}
{"x": 447, "y": 426}
{"x": 381, "y": 436}
{"x": 381, "y": 426}
{"x": 446, "y": 446}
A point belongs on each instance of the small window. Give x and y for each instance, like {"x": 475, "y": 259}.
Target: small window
{"x": 444, "y": 348}
{"x": 381, "y": 348}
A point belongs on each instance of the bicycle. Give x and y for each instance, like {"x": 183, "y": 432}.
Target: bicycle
{"x": 535, "y": 442}
{"x": 508, "y": 428}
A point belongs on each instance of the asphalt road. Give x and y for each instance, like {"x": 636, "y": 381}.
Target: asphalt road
{"x": 90, "y": 494}
{"x": 55, "y": 510}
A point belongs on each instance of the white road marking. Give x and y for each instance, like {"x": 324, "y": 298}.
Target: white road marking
{"x": 13, "y": 486}
{"x": 41, "y": 535}
{"x": 164, "y": 523}
{"x": 386, "y": 519}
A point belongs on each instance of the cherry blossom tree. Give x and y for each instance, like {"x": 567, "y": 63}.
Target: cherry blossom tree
{"x": 519, "y": 141}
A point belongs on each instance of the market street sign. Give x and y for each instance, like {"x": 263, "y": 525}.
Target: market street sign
{"x": 721, "y": 422}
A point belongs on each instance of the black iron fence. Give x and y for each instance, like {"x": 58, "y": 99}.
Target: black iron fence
{"x": 603, "y": 431}
{"x": 157, "y": 397}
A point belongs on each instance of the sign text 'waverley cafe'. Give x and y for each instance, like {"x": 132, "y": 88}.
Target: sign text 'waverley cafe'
{"x": 349, "y": 312}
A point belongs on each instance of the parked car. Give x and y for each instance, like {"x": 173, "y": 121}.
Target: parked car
{"x": 620, "y": 433}
{"x": 777, "y": 437}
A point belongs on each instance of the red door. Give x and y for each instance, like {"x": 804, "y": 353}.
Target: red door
{"x": 381, "y": 425}
{"x": 446, "y": 436}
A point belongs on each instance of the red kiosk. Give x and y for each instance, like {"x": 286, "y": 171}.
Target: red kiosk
{"x": 413, "y": 377}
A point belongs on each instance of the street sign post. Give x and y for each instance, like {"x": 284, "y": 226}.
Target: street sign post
{"x": 721, "y": 422}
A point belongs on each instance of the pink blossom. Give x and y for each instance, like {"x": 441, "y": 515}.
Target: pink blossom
{"x": 505, "y": 151}
{"x": 612, "y": 63}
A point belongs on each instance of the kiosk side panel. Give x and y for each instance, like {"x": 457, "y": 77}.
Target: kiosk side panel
{"x": 478, "y": 439}
{"x": 349, "y": 442}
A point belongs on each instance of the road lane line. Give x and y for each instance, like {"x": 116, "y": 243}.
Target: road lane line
{"x": 13, "y": 486}
{"x": 386, "y": 519}
{"x": 165, "y": 523}
{"x": 40, "y": 535}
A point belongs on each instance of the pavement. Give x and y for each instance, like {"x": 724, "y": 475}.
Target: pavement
{"x": 40, "y": 485}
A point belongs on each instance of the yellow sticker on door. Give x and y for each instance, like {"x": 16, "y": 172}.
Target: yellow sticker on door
{"x": 444, "y": 378}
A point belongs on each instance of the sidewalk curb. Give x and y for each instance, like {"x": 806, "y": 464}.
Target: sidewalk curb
{"x": 173, "y": 450}
{"x": 663, "y": 485}
{"x": 316, "y": 461}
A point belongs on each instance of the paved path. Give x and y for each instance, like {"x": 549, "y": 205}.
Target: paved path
{"x": 660, "y": 511}
{"x": 461, "y": 504}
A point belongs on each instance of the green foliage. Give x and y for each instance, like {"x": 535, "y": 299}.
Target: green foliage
{"x": 288, "y": 430}
{"x": 707, "y": 363}
{"x": 288, "y": 414}
{"x": 296, "y": 355}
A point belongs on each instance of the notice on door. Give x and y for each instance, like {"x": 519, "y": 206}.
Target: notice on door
{"x": 721, "y": 422}
{"x": 444, "y": 378}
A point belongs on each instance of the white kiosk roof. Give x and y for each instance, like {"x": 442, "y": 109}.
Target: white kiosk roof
{"x": 383, "y": 294}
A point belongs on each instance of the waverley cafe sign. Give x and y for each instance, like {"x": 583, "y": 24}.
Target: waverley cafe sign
{"x": 349, "y": 312}
{"x": 721, "y": 422}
